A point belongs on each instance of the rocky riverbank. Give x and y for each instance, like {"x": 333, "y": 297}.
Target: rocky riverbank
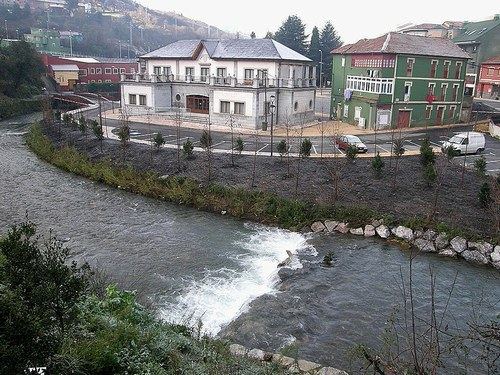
{"x": 291, "y": 365}
{"x": 424, "y": 240}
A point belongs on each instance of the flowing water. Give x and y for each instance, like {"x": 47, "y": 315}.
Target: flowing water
{"x": 196, "y": 266}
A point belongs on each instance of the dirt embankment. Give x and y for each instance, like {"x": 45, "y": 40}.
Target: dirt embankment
{"x": 401, "y": 193}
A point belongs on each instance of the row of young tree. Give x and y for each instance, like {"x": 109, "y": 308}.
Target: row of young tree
{"x": 292, "y": 33}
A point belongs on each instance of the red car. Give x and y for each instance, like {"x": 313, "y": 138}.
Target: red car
{"x": 344, "y": 141}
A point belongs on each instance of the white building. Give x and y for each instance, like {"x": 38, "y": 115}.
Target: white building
{"x": 222, "y": 77}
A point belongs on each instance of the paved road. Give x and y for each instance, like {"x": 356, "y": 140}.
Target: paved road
{"x": 491, "y": 103}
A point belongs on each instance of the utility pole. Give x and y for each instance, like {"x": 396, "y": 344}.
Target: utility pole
{"x": 70, "y": 43}
{"x": 264, "y": 75}
{"x": 6, "y": 31}
{"x": 272, "y": 107}
{"x": 100, "y": 115}
{"x": 130, "y": 40}
{"x": 321, "y": 73}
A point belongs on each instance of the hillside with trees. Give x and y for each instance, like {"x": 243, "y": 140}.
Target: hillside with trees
{"x": 113, "y": 28}
{"x": 20, "y": 79}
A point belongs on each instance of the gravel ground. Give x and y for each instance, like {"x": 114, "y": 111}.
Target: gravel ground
{"x": 404, "y": 195}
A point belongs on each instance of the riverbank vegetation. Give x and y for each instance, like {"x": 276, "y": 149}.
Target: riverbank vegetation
{"x": 451, "y": 205}
{"x": 60, "y": 315}
{"x": 20, "y": 79}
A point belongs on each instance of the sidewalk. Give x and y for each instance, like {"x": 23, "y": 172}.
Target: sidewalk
{"x": 314, "y": 129}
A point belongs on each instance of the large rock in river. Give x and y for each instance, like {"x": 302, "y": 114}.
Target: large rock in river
{"x": 403, "y": 233}
{"x": 442, "y": 241}
{"x": 383, "y": 231}
{"x": 317, "y": 226}
{"x": 495, "y": 255}
{"x": 426, "y": 246}
{"x": 475, "y": 256}
{"x": 459, "y": 244}
{"x": 484, "y": 248}
{"x": 331, "y": 225}
{"x": 342, "y": 228}
{"x": 369, "y": 231}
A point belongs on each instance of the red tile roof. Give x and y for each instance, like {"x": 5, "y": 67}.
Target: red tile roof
{"x": 398, "y": 43}
{"x": 492, "y": 60}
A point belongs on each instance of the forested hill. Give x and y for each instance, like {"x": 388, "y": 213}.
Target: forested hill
{"x": 108, "y": 25}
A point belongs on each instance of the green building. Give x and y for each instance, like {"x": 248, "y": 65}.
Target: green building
{"x": 398, "y": 80}
{"x": 46, "y": 40}
{"x": 481, "y": 40}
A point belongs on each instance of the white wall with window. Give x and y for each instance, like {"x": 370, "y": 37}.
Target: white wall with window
{"x": 240, "y": 103}
{"x": 136, "y": 95}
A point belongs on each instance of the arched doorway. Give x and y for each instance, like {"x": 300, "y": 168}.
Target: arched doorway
{"x": 197, "y": 103}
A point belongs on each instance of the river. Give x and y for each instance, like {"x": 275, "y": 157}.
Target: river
{"x": 194, "y": 265}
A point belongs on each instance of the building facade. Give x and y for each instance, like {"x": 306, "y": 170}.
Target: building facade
{"x": 481, "y": 40}
{"x": 66, "y": 75}
{"x": 45, "y": 40}
{"x": 94, "y": 70}
{"x": 398, "y": 80}
{"x": 489, "y": 79}
{"x": 255, "y": 80}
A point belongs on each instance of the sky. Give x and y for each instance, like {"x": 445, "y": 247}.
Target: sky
{"x": 353, "y": 20}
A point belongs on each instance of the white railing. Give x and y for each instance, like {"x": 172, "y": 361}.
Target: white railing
{"x": 219, "y": 81}
{"x": 371, "y": 85}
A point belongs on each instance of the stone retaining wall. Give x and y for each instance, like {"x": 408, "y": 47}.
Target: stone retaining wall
{"x": 426, "y": 241}
{"x": 292, "y": 365}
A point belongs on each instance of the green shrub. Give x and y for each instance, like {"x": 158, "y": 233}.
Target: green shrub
{"x": 480, "y": 166}
{"x": 430, "y": 174}
{"x": 206, "y": 139}
{"x": 187, "y": 149}
{"x": 484, "y": 195}
{"x": 282, "y": 148}
{"x": 398, "y": 148}
{"x": 378, "y": 165}
{"x": 451, "y": 153}
{"x": 158, "y": 140}
{"x": 96, "y": 130}
{"x": 305, "y": 148}
{"x": 16, "y": 107}
{"x": 82, "y": 125}
{"x": 351, "y": 152}
{"x": 124, "y": 134}
{"x": 239, "y": 145}
{"x": 427, "y": 155}
{"x": 67, "y": 118}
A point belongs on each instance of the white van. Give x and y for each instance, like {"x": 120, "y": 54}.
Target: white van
{"x": 466, "y": 143}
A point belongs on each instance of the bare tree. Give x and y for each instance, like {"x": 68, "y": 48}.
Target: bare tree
{"x": 288, "y": 126}
{"x": 178, "y": 123}
{"x": 231, "y": 121}
{"x": 206, "y": 143}
{"x": 256, "y": 137}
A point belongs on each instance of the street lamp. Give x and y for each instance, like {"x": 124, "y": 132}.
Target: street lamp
{"x": 70, "y": 43}
{"x": 321, "y": 73}
{"x": 272, "y": 107}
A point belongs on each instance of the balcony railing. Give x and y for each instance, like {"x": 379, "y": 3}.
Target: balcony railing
{"x": 219, "y": 81}
{"x": 370, "y": 85}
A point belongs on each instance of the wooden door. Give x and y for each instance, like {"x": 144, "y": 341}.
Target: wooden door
{"x": 439, "y": 115}
{"x": 404, "y": 119}
{"x": 197, "y": 103}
